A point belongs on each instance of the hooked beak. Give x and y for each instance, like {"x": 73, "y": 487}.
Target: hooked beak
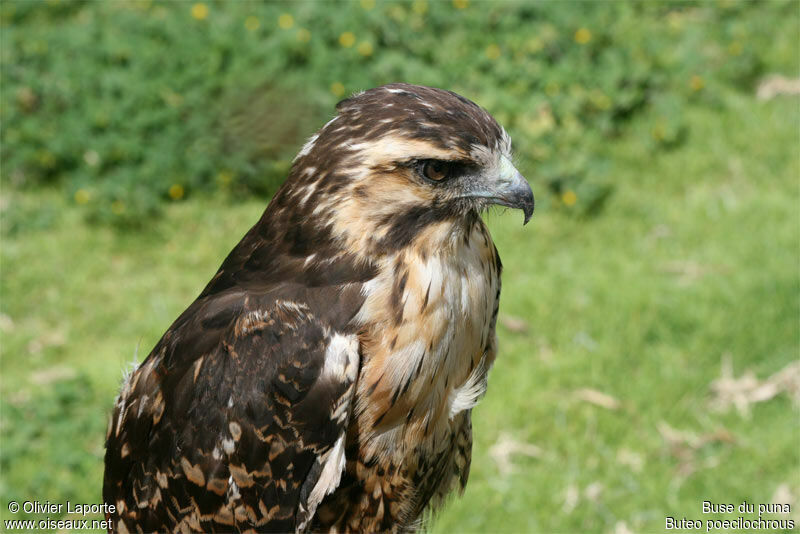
{"x": 509, "y": 189}
{"x": 515, "y": 192}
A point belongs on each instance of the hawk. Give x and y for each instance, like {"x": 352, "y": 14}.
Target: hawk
{"x": 324, "y": 378}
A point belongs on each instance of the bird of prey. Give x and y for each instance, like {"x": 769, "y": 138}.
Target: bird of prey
{"x": 324, "y": 378}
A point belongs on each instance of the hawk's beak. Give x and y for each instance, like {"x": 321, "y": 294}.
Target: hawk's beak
{"x": 514, "y": 191}
{"x": 509, "y": 189}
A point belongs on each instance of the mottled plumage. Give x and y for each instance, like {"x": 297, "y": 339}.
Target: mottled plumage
{"x": 324, "y": 378}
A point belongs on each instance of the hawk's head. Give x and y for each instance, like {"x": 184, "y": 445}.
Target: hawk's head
{"x": 399, "y": 159}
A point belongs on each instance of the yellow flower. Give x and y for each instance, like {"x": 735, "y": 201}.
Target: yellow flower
{"x": 583, "y": 36}
{"x": 696, "y": 83}
{"x": 659, "y": 131}
{"x": 735, "y": 48}
{"x": 397, "y": 13}
{"x": 303, "y": 35}
{"x": 538, "y": 123}
{"x": 251, "y": 23}
{"x": 117, "y": 207}
{"x": 347, "y": 39}
{"x": 82, "y": 196}
{"x": 200, "y": 11}
{"x": 493, "y": 51}
{"x": 171, "y": 98}
{"x": 367, "y": 4}
{"x": 176, "y": 192}
{"x": 285, "y": 21}
{"x": 420, "y": 7}
{"x": 46, "y": 159}
{"x": 460, "y": 4}
{"x": 225, "y": 178}
{"x": 337, "y": 89}
{"x": 364, "y": 48}
{"x": 600, "y": 100}
{"x": 569, "y": 197}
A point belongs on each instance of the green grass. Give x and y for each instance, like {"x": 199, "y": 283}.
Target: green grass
{"x": 696, "y": 257}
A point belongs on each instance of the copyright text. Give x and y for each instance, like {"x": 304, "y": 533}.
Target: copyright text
{"x": 49, "y": 509}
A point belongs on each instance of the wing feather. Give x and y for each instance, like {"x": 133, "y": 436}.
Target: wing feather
{"x": 249, "y": 434}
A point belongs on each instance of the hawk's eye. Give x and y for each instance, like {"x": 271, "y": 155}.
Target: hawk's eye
{"x": 436, "y": 170}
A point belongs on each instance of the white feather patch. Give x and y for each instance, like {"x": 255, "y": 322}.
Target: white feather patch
{"x": 307, "y": 147}
{"x": 332, "y": 467}
{"x": 404, "y": 361}
{"x": 233, "y": 490}
{"x": 341, "y": 358}
{"x": 331, "y": 473}
{"x": 467, "y": 395}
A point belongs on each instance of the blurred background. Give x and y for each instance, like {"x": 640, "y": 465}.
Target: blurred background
{"x": 649, "y": 329}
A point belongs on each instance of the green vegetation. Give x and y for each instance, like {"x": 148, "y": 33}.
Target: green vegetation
{"x": 127, "y": 105}
{"x": 616, "y": 325}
